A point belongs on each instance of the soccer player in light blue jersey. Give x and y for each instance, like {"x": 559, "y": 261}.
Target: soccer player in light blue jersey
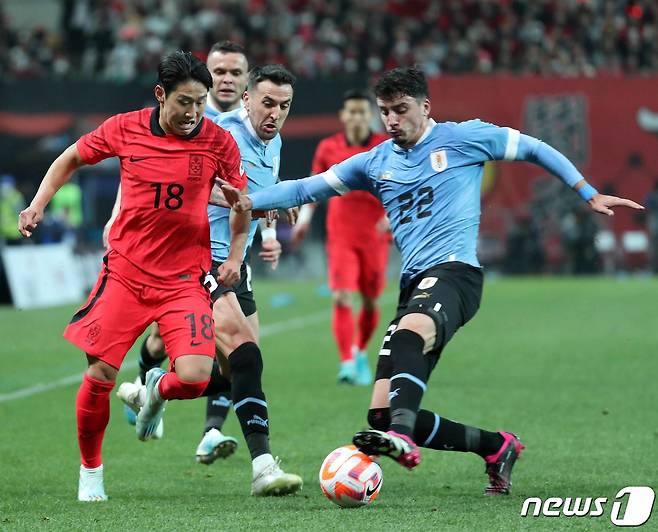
{"x": 255, "y": 128}
{"x": 428, "y": 178}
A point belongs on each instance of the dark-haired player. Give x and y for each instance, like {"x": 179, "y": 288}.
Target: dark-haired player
{"x": 228, "y": 66}
{"x": 357, "y": 241}
{"x": 159, "y": 251}
{"x": 428, "y": 178}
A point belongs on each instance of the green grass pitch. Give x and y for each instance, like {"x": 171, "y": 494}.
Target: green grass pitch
{"x": 568, "y": 364}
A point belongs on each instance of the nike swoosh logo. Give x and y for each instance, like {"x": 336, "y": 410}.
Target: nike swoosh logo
{"x": 194, "y": 344}
{"x": 134, "y": 159}
{"x": 371, "y": 491}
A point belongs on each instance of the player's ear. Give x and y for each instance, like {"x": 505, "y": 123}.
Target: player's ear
{"x": 427, "y": 107}
{"x": 245, "y": 100}
{"x": 160, "y": 94}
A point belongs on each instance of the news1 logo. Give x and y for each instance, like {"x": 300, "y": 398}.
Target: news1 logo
{"x": 635, "y": 512}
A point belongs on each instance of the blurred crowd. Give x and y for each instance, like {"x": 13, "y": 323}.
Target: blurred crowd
{"x": 121, "y": 39}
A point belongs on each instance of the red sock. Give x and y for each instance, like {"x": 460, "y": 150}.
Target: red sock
{"x": 368, "y": 320}
{"x": 343, "y": 327}
{"x": 171, "y": 387}
{"x": 92, "y": 408}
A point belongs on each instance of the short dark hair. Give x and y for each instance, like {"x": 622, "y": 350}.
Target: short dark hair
{"x": 355, "y": 94}
{"x": 402, "y": 81}
{"x": 228, "y": 47}
{"x": 178, "y": 67}
{"x": 277, "y": 74}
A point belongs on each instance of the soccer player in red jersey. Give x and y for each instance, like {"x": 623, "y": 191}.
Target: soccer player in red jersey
{"x": 159, "y": 251}
{"x": 357, "y": 241}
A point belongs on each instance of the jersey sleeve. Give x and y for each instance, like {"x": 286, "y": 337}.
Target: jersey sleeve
{"x": 230, "y": 167}
{"x": 351, "y": 174}
{"x": 101, "y": 143}
{"x": 487, "y": 142}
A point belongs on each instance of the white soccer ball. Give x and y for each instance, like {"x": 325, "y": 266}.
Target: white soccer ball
{"x": 350, "y": 478}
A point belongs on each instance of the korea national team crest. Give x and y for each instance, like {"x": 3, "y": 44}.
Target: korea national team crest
{"x": 439, "y": 160}
{"x": 195, "y": 169}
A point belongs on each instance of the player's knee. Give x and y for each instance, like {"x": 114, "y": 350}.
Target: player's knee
{"x": 420, "y": 325}
{"x": 246, "y": 359}
{"x": 379, "y": 418}
{"x": 156, "y": 346}
{"x": 101, "y": 371}
{"x": 193, "y": 373}
{"x": 342, "y": 298}
{"x": 369, "y": 303}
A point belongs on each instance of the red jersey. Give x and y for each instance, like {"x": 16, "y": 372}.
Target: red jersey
{"x": 357, "y": 212}
{"x": 162, "y": 236}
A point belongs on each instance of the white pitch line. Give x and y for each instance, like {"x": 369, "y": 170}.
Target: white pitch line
{"x": 265, "y": 330}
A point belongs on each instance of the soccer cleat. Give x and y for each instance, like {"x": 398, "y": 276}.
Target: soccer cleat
{"x": 150, "y": 414}
{"x": 363, "y": 373}
{"x": 90, "y": 485}
{"x": 499, "y": 466}
{"x": 215, "y": 445}
{"x": 399, "y": 447}
{"x": 347, "y": 372}
{"x": 133, "y": 395}
{"x": 273, "y": 481}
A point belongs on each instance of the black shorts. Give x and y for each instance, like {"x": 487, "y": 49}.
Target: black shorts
{"x": 449, "y": 293}
{"x": 242, "y": 288}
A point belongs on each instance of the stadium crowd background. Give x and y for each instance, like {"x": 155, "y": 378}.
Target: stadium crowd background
{"x": 118, "y": 39}
{"x": 91, "y": 47}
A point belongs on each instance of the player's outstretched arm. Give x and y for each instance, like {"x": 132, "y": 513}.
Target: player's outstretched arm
{"x": 533, "y": 150}
{"x": 59, "y": 173}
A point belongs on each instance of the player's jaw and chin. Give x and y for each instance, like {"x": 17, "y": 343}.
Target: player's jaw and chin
{"x": 405, "y": 118}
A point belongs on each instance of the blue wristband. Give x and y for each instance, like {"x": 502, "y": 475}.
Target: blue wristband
{"x": 587, "y": 192}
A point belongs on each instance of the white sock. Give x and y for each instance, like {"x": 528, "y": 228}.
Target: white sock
{"x": 261, "y": 462}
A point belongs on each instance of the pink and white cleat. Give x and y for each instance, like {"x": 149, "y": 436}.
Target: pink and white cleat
{"x": 499, "y": 465}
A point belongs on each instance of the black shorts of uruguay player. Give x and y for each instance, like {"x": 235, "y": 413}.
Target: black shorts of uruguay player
{"x": 242, "y": 288}
{"x": 449, "y": 293}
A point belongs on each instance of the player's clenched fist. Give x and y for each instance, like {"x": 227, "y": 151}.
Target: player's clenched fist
{"x": 228, "y": 273}
{"x": 28, "y": 220}
{"x": 238, "y": 201}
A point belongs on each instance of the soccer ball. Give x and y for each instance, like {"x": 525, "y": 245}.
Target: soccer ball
{"x": 350, "y": 478}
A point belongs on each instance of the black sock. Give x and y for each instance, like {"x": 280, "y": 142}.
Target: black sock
{"x": 216, "y": 410}
{"x": 435, "y": 432}
{"x": 218, "y": 393}
{"x": 147, "y": 362}
{"x": 408, "y": 383}
{"x": 218, "y": 384}
{"x": 246, "y": 365}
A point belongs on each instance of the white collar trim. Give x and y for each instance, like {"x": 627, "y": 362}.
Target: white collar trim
{"x": 245, "y": 119}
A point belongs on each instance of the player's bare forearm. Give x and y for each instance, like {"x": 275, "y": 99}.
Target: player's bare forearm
{"x": 57, "y": 175}
{"x": 239, "y": 223}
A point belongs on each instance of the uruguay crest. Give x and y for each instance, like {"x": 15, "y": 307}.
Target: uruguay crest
{"x": 439, "y": 160}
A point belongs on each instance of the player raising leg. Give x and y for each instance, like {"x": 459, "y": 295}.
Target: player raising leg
{"x": 157, "y": 251}
{"x": 428, "y": 179}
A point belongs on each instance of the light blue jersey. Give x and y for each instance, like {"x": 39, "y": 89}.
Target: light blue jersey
{"x": 261, "y": 163}
{"x": 431, "y": 191}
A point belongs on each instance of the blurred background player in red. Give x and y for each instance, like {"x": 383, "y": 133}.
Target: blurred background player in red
{"x": 357, "y": 241}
